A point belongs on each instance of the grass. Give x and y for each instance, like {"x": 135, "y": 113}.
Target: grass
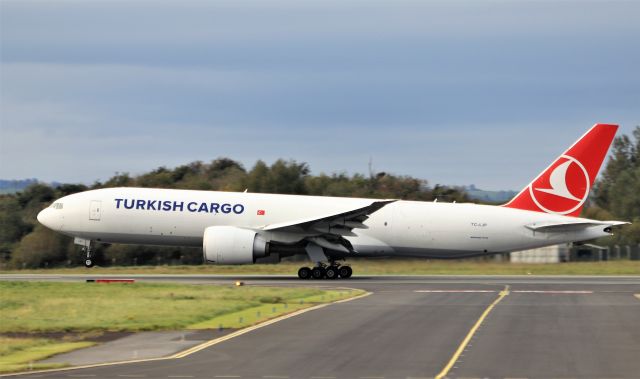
{"x": 254, "y": 315}
{"x": 376, "y": 267}
{"x": 37, "y": 308}
{"x": 80, "y": 307}
{"x": 19, "y": 354}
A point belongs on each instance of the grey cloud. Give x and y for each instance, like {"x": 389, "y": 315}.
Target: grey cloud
{"x": 431, "y": 89}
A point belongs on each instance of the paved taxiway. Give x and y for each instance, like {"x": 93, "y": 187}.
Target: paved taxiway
{"x": 540, "y": 327}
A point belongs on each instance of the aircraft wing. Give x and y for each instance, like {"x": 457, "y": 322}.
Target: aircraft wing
{"x": 570, "y": 226}
{"x": 328, "y": 230}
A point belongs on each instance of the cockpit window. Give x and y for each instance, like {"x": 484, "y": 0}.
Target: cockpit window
{"x": 56, "y": 205}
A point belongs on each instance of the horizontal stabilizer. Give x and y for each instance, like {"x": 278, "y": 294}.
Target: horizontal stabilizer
{"x": 570, "y": 226}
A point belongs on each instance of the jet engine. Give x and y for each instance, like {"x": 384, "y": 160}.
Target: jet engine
{"x": 229, "y": 245}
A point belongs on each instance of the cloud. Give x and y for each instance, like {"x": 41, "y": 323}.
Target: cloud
{"x": 430, "y": 89}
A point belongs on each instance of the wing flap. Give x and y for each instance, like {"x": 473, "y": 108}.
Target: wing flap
{"x": 329, "y": 231}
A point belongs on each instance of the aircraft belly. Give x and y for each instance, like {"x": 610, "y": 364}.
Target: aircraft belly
{"x": 136, "y": 238}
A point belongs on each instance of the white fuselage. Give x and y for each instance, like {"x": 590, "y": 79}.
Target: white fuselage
{"x": 403, "y": 228}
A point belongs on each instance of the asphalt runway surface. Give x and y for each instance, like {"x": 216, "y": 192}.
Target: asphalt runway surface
{"x": 420, "y": 327}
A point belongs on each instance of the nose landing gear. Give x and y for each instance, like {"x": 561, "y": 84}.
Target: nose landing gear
{"x": 88, "y": 262}
{"x": 86, "y": 249}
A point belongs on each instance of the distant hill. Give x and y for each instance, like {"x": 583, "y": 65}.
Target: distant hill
{"x": 13, "y": 186}
{"x": 488, "y": 196}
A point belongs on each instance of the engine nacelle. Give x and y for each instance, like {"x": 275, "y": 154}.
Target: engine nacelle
{"x": 229, "y": 245}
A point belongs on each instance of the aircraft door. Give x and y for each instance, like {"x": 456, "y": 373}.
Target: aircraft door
{"x": 95, "y": 210}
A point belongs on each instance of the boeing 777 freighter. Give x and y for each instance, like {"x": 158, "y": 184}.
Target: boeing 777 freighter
{"x": 242, "y": 228}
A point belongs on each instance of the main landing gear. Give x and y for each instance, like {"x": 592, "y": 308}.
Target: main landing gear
{"x": 333, "y": 270}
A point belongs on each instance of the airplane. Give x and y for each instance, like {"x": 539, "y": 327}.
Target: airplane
{"x": 245, "y": 228}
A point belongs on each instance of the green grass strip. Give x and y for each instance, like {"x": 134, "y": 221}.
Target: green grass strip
{"x": 255, "y": 315}
{"x": 18, "y": 354}
{"x": 37, "y": 307}
{"x": 375, "y": 267}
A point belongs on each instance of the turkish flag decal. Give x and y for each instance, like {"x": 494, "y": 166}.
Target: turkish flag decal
{"x": 261, "y": 212}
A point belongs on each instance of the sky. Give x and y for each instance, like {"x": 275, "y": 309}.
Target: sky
{"x": 453, "y": 92}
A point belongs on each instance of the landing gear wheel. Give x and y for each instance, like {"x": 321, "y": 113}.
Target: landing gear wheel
{"x": 88, "y": 261}
{"x": 331, "y": 272}
{"x": 318, "y": 272}
{"x": 345, "y": 272}
{"x": 304, "y": 273}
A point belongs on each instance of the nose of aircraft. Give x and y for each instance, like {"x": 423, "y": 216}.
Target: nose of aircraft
{"x": 46, "y": 218}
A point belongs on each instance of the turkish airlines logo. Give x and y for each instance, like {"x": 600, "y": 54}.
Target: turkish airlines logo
{"x": 563, "y": 188}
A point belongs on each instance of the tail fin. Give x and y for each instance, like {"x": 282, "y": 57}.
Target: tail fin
{"x": 563, "y": 187}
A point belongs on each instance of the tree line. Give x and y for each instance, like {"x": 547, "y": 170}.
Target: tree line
{"x": 24, "y": 243}
{"x": 616, "y": 194}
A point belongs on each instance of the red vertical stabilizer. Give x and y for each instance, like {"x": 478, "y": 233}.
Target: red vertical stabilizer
{"x": 563, "y": 187}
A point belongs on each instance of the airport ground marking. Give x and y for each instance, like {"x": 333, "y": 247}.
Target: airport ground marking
{"x": 194, "y": 349}
{"x": 455, "y": 291}
{"x": 555, "y": 292}
{"x": 471, "y": 333}
{"x": 552, "y": 292}
{"x": 637, "y": 296}
{"x": 240, "y": 332}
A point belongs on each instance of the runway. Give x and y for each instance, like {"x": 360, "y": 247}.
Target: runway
{"x": 421, "y": 327}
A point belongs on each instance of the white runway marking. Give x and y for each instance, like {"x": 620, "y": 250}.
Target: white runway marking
{"x": 516, "y": 291}
{"x": 554, "y": 292}
{"x": 455, "y": 291}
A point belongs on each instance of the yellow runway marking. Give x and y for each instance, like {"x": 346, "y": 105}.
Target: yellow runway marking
{"x": 637, "y": 296}
{"x": 240, "y": 332}
{"x": 473, "y": 331}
